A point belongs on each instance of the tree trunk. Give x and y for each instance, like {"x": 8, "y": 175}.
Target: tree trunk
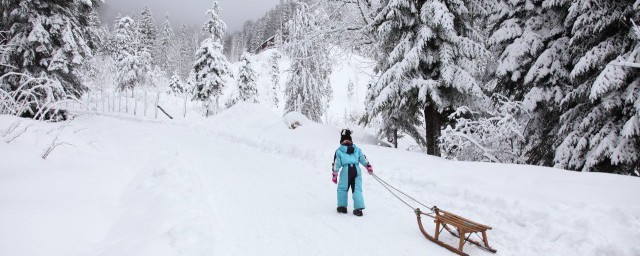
{"x": 433, "y": 122}
{"x": 395, "y": 138}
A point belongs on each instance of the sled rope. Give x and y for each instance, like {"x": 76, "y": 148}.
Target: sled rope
{"x": 389, "y": 188}
{"x": 464, "y": 228}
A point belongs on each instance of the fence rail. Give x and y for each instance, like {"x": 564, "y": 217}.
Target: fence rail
{"x": 141, "y": 103}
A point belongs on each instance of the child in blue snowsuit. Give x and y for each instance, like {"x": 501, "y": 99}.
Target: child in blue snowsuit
{"x": 347, "y": 158}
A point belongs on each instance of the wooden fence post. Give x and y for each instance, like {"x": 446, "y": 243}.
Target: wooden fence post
{"x": 135, "y": 104}
{"x": 185, "y": 105}
{"x": 157, "y": 103}
{"x": 146, "y": 102}
{"x": 119, "y": 102}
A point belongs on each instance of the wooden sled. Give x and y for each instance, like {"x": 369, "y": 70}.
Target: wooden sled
{"x": 464, "y": 230}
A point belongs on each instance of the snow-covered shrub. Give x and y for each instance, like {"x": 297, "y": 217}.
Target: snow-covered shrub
{"x": 295, "y": 119}
{"x": 494, "y": 135}
{"x": 38, "y": 98}
{"x": 175, "y": 85}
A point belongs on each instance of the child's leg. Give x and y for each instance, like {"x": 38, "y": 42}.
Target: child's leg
{"x": 358, "y": 199}
{"x": 343, "y": 188}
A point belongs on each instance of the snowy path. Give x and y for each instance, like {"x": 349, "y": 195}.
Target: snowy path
{"x": 243, "y": 184}
{"x": 256, "y": 202}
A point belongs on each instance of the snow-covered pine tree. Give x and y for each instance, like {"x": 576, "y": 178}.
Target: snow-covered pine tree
{"x": 132, "y": 65}
{"x": 600, "y": 128}
{"x": 175, "y": 85}
{"x": 46, "y": 40}
{"x": 186, "y": 53}
{"x": 167, "y": 53}
{"x": 147, "y": 32}
{"x": 532, "y": 60}
{"x": 124, "y": 52}
{"x": 308, "y": 89}
{"x": 427, "y": 54}
{"x": 350, "y": 90}
{"x": 247, "y": 87}
{"x": 211, "y": 66}
{"x": 274, "y": 62}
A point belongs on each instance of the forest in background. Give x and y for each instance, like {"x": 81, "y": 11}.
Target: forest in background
{"x": 541, "y": 82}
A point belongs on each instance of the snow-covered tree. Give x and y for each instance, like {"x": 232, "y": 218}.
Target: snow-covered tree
{"x": 48, "y": 41}
{"x": 274, "y": 63}
{"x": 350, "y": 90}
{"x": 211, "y": 66}
{"x": 147, "y": 32}
{"x": 129, "y": 62}
{"x": 308, "y": 88}
{"x": 487, "y": 135}
{"x": 175, "y": 85}
{"x": 167, "y": 53}
{"x": 186, "y": 53}
{"x": 247, "y": 87}
{"x": 600, "y": 127}
{"x": 530, "y": 42}
{"x": 427, "y": 53}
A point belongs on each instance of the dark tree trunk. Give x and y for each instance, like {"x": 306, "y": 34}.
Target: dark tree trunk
{"x": 433, "y": 122}
{"x": 395, "y": 138}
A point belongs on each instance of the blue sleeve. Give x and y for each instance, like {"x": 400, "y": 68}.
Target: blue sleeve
{"x": 362, "y": 158}
{"x": 337, "y": 164}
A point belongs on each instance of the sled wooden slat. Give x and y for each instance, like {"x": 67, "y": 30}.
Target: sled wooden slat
{"x": 464, "y": 228}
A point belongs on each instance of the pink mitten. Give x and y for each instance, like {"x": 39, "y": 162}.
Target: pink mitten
{"x": 335, "y": 177}
{"x": 369, "y": 169}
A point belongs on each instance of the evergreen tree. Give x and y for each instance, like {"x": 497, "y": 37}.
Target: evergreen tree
{"x": 247, "y": 87}
{"x": 211, "y": 65}
{"x": 48, "y": 40}
{"x": 532, "y": 66}
{"x": 175, "y": 85}
{"x": 308, "y": 89}
{"x": 274, "y": 61}
{"x": 167, "y": 54}
{"x": 186, "y": 53}
{"x": 599, "y": 127}
{"x": 147, "y": 31}
{"x": 427, "y": 54}
{"x": 129, "y": 61}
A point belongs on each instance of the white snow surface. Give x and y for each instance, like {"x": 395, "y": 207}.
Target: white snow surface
{"x": 242, "y": 183}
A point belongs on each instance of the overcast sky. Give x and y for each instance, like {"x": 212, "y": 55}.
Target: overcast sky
{"x": 190, "y": 12}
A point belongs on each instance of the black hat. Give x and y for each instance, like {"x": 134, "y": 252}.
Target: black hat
{"x": 345, "y": 135}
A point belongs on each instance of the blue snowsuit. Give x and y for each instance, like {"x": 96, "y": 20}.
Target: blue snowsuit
{"x": 348, "y": 157}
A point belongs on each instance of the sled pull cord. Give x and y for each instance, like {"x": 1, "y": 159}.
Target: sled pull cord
{"x": 459, "y": 227}
{"x": 389, "y": 188}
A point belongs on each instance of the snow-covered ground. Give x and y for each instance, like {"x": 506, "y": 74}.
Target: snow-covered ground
{"x": 242, "y": 183}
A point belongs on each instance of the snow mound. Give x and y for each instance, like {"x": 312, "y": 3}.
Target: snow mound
{"x": 294, "y": 120}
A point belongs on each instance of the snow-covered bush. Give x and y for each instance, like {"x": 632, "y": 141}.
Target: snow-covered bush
{"x": 295, "y": 119}
{"x": 495, "y": 135}
{"x": 175, "y": 85}
{"x": 38, "y": 98}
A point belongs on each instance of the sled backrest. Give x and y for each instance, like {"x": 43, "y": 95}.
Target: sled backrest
{"x": 460, "y": 222}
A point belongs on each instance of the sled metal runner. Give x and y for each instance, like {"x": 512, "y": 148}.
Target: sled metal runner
{"x": 464, "y": 229}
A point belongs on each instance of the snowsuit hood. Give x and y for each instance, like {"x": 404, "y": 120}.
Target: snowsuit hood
{"x": 347, "y": 147}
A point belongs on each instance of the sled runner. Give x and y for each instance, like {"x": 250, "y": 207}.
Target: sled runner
{"x": 464, "y": 229}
